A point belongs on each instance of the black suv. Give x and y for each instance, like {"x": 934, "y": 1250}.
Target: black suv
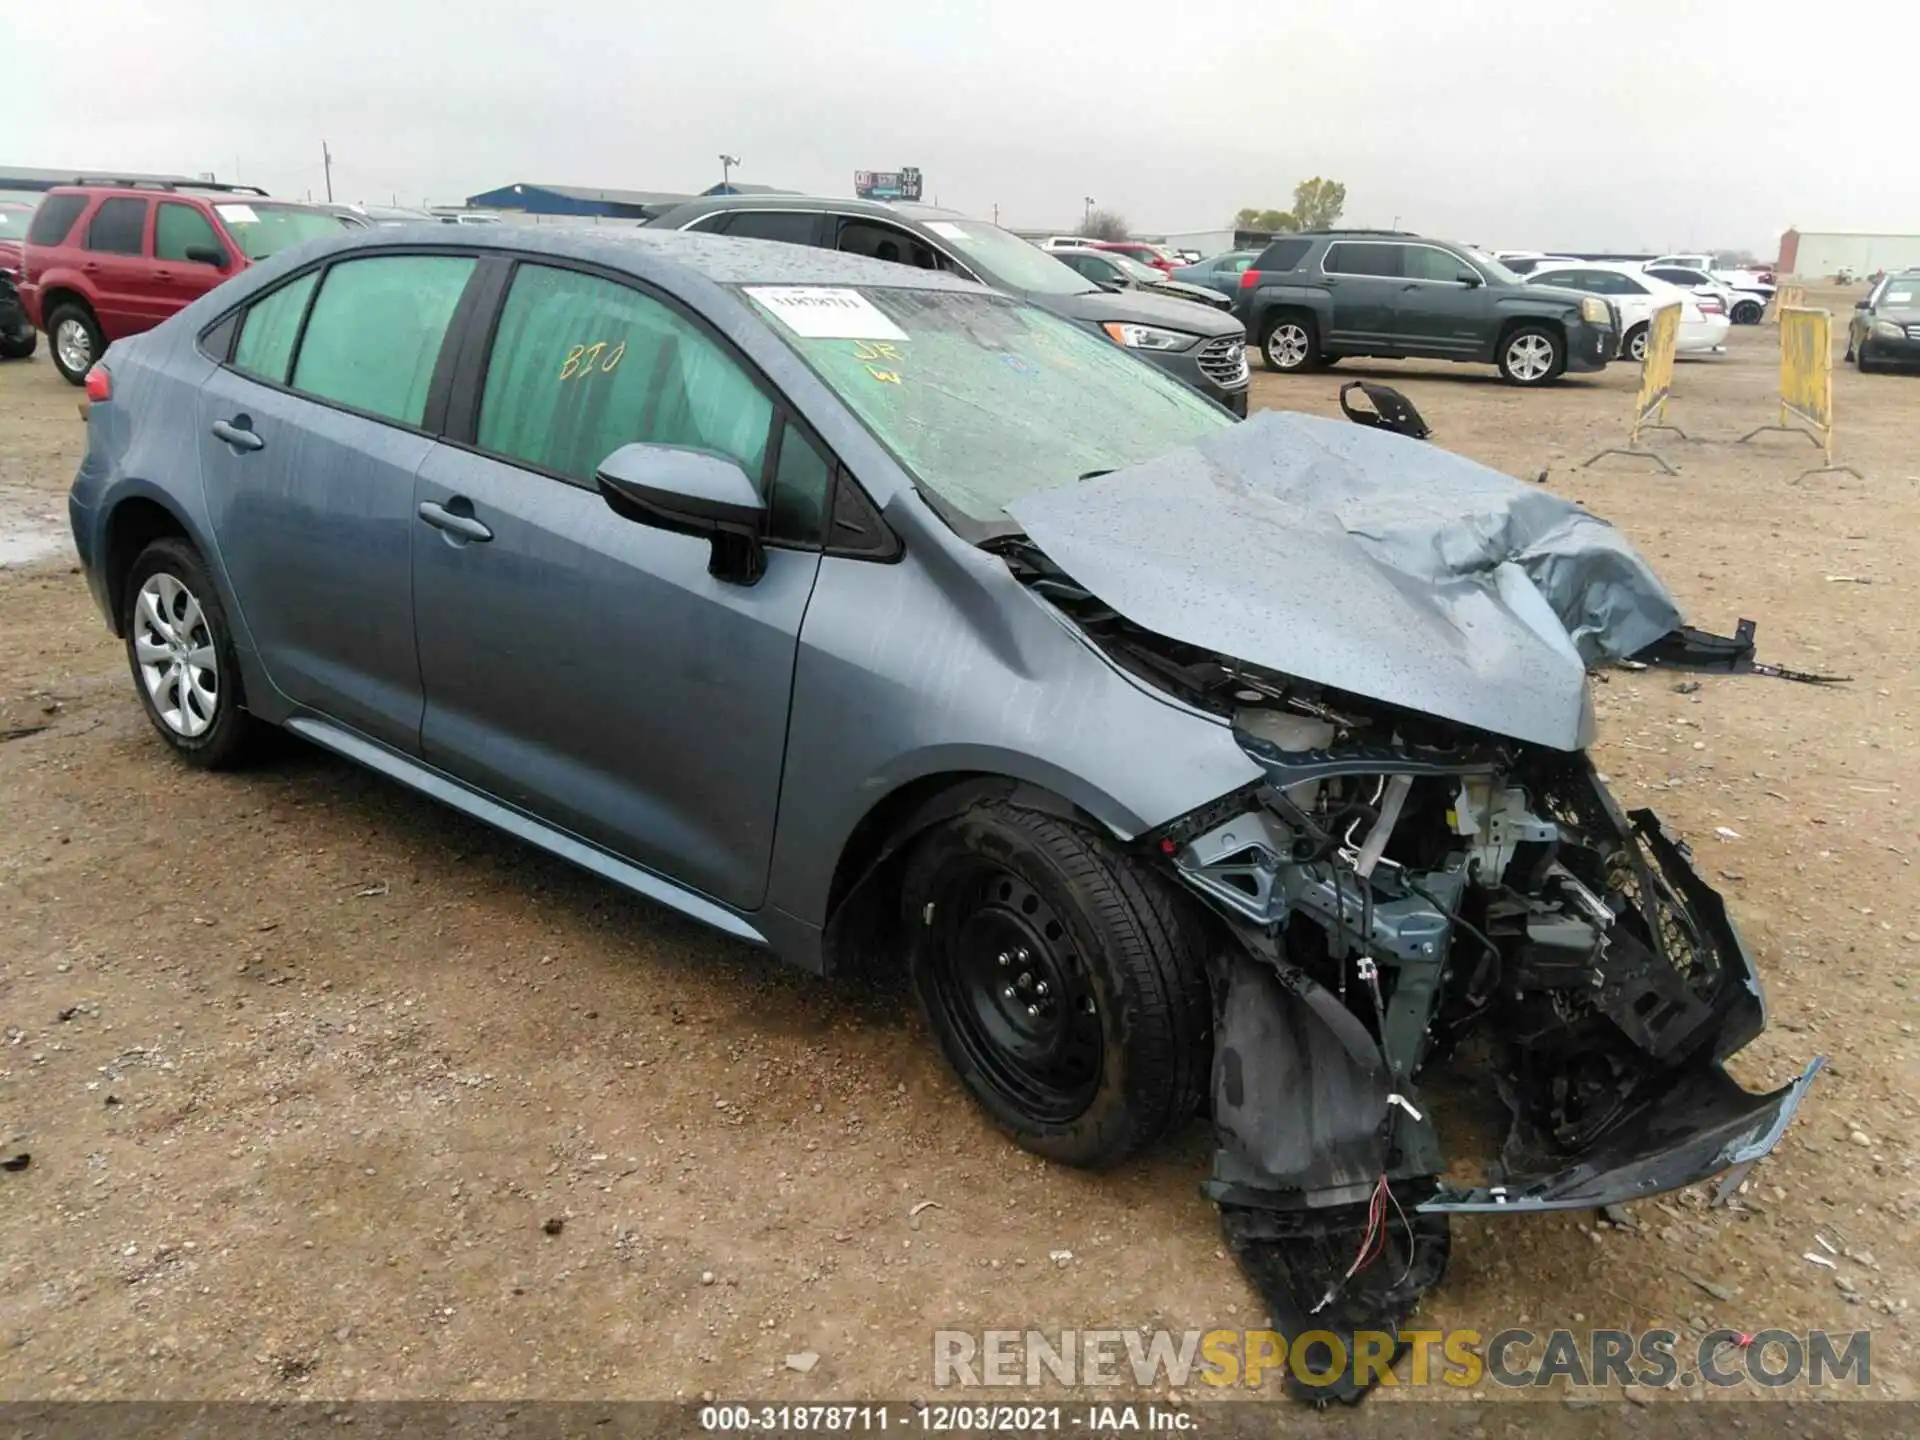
{"x": 1193, "y": 342}
{"x": 1314, "y": 298}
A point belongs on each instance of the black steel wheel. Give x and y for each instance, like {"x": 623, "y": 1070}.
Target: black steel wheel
{"x": 1063, "y": 980}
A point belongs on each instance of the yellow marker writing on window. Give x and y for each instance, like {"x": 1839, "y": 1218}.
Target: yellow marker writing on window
{"x": 876, "y": 350}
{"x": 591, "y": 359}
{"x": 885, "y": 377}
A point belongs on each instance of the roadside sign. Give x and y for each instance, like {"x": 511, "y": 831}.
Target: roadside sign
{"x": 902, "y": 184}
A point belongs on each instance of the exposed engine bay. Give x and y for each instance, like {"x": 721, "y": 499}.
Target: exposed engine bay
{"x": 1406, "y": 895}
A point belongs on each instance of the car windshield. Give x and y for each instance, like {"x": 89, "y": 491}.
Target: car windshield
{"x": 1495, "y": 270}
{"x": 13, "y": 221}
{"x": 1007, "y": 262}
{"x": 1133, "y": 269}
{"x": 260, "y": 228}
{"x": 982, "y": 399}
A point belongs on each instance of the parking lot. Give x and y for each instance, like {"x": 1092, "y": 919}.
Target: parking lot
{"x": 329, "y": 1091}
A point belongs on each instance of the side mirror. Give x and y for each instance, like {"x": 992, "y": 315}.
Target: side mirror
{"x": 1469, "y": 278}
{"x": 1861, "y": 304}
{"x": 207, "y": 255}
{"x": 690, "y": 492}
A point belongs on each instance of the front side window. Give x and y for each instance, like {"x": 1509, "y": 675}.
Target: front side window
{"x": 1424, "y": 262}
{"x": 981, "y": 399}
{"x": 118, "y": 227}
{"x": 260, "y": 228}
{"x": 886, "y": 242}
{"x": 271, "y": 326}
{"x": 374, "y": 335}
{"x": 1005, "y": 261}
{"x": 1363, "y": 258}
{"x": 179, "y": 228}
{"x": 55, "y": 218}
{"x": 582, "y": 365}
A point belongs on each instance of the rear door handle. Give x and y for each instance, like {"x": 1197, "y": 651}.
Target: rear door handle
{"x": 465, "y": 526}
{"x": 238, "y": 433}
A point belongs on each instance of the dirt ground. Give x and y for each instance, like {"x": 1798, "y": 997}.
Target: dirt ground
{"x": 308, "y": 1067}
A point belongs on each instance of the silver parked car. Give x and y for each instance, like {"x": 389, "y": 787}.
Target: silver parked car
{"x": 870, "y": 615}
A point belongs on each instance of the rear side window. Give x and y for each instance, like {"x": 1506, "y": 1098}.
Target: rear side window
{"x": 1283, "y": 255}
{"x": 794, "y": 227}
{"x": 272, "y": 325}
{"x": 55, "y": 218}
{"x": 581, "y": 366}
{"x": 374, "y": 336}
{"x": 179, "y": 228}
{"x": 1351, "y": 257}
{"x": 885, "y": 242}
{"x": 118, "y": 227}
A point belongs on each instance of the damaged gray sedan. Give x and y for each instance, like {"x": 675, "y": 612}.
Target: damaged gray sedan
{"x": 1190, "y": 766}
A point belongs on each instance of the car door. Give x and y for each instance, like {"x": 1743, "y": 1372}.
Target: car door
{"x": 115, "y": 264}
{"x": 1439, "y": 310}
{"x": 179, "y": 280}
{"x": 1363, "y": 281}
{"x": 309, "y": 438}
{"x": 583, "y": 667}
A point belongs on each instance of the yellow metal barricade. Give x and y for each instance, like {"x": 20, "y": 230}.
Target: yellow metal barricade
{"x": 1656, "y": 383}
{"x": 1806, "y": 384}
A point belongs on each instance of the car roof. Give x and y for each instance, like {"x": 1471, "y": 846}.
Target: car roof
{"x": 644, "y": 252}
{"x": 710, "y": 204}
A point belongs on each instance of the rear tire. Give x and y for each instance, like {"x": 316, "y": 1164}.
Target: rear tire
{"x": 1291, "y": 344}
{"x": 74, "y": 337}
{"x": 1064, "y": 981}
{"x": 180, "y": 650}
{"x": 1532, "y": 355}
{"x": 1747, "y": 312}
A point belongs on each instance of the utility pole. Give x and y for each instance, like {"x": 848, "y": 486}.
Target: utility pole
{"x": 326, "y": 159}
{"x": 727, "y": 162}
{"x": 1087, "y": 214}
{"x": 996, "y": 212}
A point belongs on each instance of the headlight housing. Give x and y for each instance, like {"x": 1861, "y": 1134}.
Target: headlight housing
{"x": 1888, "y": 330}
{"x": 1594, "y": 311}
{"x": 1147, "y": 337}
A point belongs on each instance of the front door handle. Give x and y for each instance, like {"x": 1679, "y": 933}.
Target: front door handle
{"x": 465, "y": 526}
{"x": 238, "y": 433}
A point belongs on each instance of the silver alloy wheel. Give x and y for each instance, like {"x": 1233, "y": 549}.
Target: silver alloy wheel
{"x": 1637, "y": 346}
{"x": 74, "y": 346}
{"x": 178, "y": 663}
{"x": 1288, "y": 345}
{"x": 1530, "y": 358}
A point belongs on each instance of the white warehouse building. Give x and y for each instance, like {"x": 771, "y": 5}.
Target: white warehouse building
{"x": 1817, "y": 254}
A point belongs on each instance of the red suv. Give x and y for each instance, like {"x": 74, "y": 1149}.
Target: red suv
{"x": 1140, "y": 250}
{"x": 103, "y": 261}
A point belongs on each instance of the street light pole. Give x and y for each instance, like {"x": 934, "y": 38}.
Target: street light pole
{"x": 727, "y": 162}
{"x": 1087, "y": 214}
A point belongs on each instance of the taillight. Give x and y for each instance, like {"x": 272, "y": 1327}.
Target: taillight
{"x": 99, "y": 384}
{"x": 1249, "y": 279}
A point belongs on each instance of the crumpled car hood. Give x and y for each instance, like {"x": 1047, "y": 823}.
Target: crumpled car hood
{"x": 1357, "y": 559}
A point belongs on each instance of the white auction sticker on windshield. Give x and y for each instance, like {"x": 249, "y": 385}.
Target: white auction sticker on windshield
{"x": 825, "y": 313}
{"x": 946, "y": 230}
{"x": 1900, "y": 297}
{"x": 238, "y": 214}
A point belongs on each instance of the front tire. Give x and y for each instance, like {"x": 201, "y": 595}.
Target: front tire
{"x": 180, "y": 650}
{"x": 74, "y": 337}
{"x": 1291, "y": 344}
{"x": 1064, "y": 982}
{"x": 1532, "y": 355}
{"x": 1636, "y": 347}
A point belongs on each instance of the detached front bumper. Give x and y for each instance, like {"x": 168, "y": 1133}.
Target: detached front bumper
{"x": 1591, "y": 347}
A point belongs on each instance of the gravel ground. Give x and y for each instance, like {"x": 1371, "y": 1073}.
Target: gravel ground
{"x": 330, "y": 1092}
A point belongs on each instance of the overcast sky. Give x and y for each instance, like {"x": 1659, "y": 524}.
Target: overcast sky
{"x": 1633, "y": 123}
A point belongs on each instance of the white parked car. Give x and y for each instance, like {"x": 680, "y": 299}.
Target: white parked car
{"x": 1636, "y": 295}
{"x": 1525, "y": 262}
{"x": 1744, "y": 293}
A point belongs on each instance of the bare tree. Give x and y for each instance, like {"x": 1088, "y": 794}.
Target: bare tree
{"x": 1104, "y": 225}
